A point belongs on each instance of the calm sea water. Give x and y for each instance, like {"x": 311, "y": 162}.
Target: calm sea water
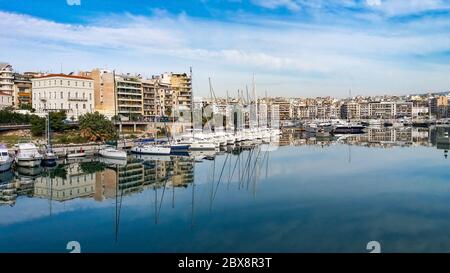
{"x": 308, "y": 196}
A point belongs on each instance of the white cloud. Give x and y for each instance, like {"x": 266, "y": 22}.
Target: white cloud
{"x": 291, "y": 5}
{"x": 299, "y": 56}
{"x": 405, "y": 7}
{"x": 373, "y": 2}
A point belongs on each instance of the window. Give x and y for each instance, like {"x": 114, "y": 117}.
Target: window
{"x": 54, "y": 82}
{"x": 76, "y": 83}
{"x": 84, "y": 106}
{"x": 60, "y": 82}
{"x": 83, "y": 84}
{"x": 62, "y": 96}
{"x": 83, "y": 96}
{"x": 68, "y": 83}
{"x": 68, "y": 94}
{"x": 89, "y": 84}
{"x": 90, "y": 96}
{"x": 62, "y": 105}
{"x": 76, "y": 94}
{"x": 76, "y": 105}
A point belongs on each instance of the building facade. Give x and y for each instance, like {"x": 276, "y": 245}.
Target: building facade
{"x": 129, "y": 97}
{"x": 104, "y": 95}
{"x": 6, "y": 78}
{"x": 22, "y": 94}
{"x": 382, "y": 110}
{"x": 439, "y": 106}
{"x": 60, "y": 92}
{"x": 5, "y": 100}
{"x": 350, "y": 110}
{"x": 166, "y": 93}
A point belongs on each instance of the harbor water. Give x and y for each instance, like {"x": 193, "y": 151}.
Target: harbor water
{"x": 301, "y": 194}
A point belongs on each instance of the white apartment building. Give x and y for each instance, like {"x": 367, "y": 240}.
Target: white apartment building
{"x": 60, "y": 92}
{"x": 5, "y": 100}
{"x": 6, "y": 78}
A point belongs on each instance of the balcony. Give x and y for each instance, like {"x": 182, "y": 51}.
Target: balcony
{"x": 131, "y": 105}
{"x": 77, "y": 99}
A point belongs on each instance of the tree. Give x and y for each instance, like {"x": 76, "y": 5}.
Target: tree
{"x": 95, "y": 127}
{"x": 37, "y": 125}
{"x": 26, "y": 107}
{"x": 7, "y": 116}
{"x": 57, "y": 121}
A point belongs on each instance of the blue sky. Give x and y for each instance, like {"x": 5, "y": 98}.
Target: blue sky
{"x": 294, "y": 47}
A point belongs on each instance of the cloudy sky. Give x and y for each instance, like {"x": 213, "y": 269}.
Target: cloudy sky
{"x": 293, "y": 47}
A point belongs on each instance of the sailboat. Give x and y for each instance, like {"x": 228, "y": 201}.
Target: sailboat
{"x": 49, "y": 157}
{"x": 110, "y": 151}
{"x": 199, "y": 141}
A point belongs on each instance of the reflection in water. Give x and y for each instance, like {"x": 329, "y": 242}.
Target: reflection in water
{"x": 178, "y": 191}
{"x": 102, "y": 179}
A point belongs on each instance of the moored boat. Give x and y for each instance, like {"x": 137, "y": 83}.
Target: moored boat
{"x": 112, "y": 153}
{"x": 28, "y": 155}
{"x": 151, "y": 150}
{"x": 6, "y": 161}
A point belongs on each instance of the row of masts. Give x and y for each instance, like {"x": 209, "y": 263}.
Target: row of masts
{"x": 245, "y": 170}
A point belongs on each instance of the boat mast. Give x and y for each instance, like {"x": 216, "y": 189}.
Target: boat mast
{"x": 192, "y": 103}
{"x": 115, "y": 106}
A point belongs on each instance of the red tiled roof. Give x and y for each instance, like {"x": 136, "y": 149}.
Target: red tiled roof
{"x": 5, "y": 94}
{"x": 65, "y": 76}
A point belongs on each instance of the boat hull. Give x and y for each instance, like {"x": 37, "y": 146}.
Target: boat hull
{"x": 6, "y": 165}
{"x": 202, "y": 146}
{"x": 349, "y": 130}
{"x": 29, "y": 162}
{"x": 151, "y": 150}
{"x": 113, "y": 154}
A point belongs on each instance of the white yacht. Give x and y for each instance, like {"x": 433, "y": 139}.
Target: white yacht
{"x": 199, "y": 145}
{"x": 113, "y": 153}
{"x": 5, "y": 160}
{"x": 28, "y": 155}
{"x": 151, "y": 149}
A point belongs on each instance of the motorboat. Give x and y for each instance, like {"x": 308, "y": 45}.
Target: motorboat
{"x": 6, "y": 161}
{"x": 28, "y": 155}
{"x": 49, "y": 158}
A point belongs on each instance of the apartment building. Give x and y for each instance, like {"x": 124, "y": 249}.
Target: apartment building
{"x": 5, "y": 100}
{"x": 104, "y": 95}
{"x": 439, "y": 106}
{"x": 129, "y": 96}
{"x": 6, "y": 78}
{"x": 284, "y": 107}
{"x": 22, "y": 90}
{"x": 60, "y": 92}
{"x": 350, "y": 110}
{"x": 403, "y": 109}
{"x": 181, "y": 84}
{"x": 166, "y": 93}
{"x": 382, "y": 110}
{"x": 364, "y": 110}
